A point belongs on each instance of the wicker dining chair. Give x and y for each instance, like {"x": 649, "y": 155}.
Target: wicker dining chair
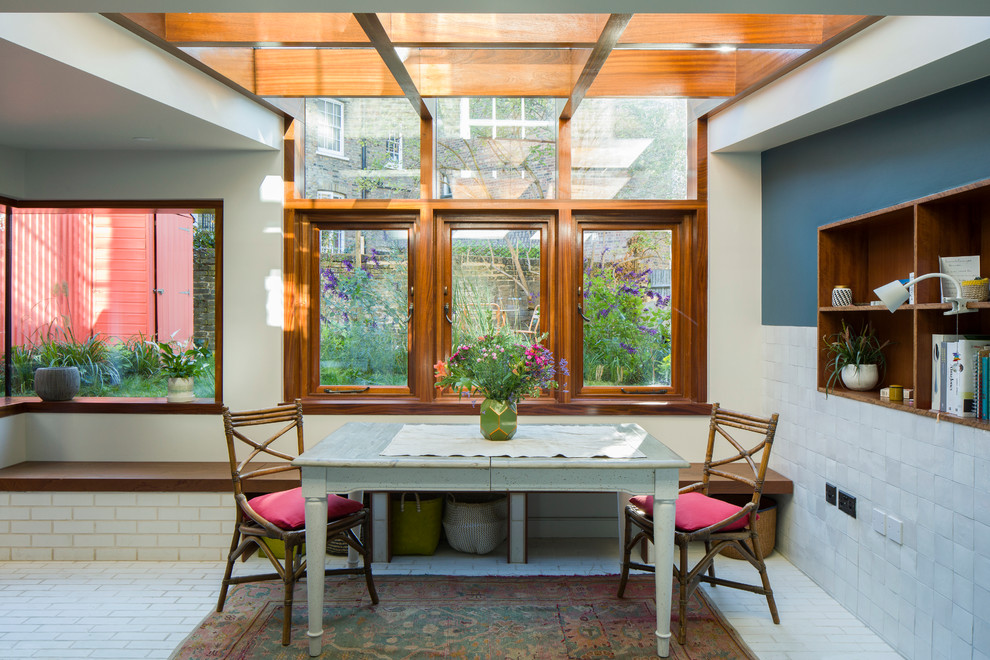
{"x": 717, "y": 524}
{"x": 280, "y": 516}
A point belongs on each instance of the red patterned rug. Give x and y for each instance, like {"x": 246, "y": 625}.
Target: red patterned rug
{"x": 547, "y": 617}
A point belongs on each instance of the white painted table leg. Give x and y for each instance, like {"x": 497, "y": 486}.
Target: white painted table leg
{"x": 379, "y": 527}
{"x": 663, "y": 537}
{"x": 517, "y": 528}
{"x": 316, "y": 550}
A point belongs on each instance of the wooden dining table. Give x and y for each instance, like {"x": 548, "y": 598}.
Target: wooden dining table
{"x": 352, "y": 460}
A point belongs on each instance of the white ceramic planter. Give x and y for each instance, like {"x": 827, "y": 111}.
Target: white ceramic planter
{"x": 860, "y": 377}
{"x": 180, "y": 390}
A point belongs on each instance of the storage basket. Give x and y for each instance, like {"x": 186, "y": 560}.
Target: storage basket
{"x": 766, "y": 528}
{"x": 337, "y": 547}
{"x": 415, "y": 524}
{"x": 475, "y": 523}
{"x": 978, "y": 290}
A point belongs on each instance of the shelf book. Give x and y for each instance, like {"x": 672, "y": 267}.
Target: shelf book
{"x": 961, "y": 381}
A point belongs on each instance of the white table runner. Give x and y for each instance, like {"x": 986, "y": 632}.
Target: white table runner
{"x": 535, "y": 440}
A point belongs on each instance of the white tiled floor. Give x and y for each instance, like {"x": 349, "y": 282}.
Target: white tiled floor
{"x": 144, "y": 609}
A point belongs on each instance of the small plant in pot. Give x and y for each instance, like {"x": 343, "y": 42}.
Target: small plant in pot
{"x": 181, "y": 363}
{"x": 855, "y": 358}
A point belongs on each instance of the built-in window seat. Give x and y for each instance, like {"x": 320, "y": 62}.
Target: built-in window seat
{"x": 84, "y": 511}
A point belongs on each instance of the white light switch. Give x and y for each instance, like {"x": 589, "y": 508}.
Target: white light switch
{"x": 895, "y": 529}
{"x": 879, "y": 521}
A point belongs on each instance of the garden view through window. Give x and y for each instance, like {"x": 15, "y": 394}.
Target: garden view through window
{"x": 364, "y": 307}
{"x": 496, "y": 282}
{"x": 96, "y": 288}
{"x": 627, "y": 302}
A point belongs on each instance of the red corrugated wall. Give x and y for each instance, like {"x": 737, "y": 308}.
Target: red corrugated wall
{"x": 91, "y": 272}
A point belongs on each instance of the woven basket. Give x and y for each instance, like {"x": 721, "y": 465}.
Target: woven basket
{"x": 978, "y": 290}
{"x": 766, "y": 528}
{"x": 337, "y": 547}
{"x": 475, "y": 523}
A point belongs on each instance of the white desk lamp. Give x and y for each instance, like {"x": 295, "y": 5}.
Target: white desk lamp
{"x": 895, "y": 294}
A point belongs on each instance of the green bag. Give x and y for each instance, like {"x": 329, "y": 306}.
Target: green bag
{"x": 415, "y": 526}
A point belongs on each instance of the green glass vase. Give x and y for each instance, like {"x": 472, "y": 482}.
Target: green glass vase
{"x": 498, "y": 419}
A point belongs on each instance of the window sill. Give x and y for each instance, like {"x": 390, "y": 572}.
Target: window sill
{"x": 410, "y": 407}
{"x": 108, "y": 405}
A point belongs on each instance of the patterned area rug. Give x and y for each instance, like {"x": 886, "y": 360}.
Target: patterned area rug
{"x": 462, "y": 617}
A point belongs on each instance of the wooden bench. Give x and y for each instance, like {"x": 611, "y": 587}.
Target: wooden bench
{"x": 154, "y": 476}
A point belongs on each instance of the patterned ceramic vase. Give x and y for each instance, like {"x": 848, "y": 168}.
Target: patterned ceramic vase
{"x": 842, "y": 296}
{"x": 56, "y": 383}
{"x": 498, "y": 419}
{"x": 180, "y": 390}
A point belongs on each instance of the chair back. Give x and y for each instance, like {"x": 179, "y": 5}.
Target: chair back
{"x": 725, "y": 425}
{"x": 251, "y": 453}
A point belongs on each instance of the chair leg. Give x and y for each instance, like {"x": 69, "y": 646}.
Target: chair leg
{"x": 366, "y": 557}
{"x": 289, "y": 582}
{"x": 626, "y": 551}
{"x": 682, "y": 600}
{"x": 765, "y": 578}
{"x": 711, "y": 566}
{"x": 229, "y": 570}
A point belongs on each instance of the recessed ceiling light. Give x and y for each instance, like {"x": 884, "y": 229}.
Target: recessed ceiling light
{"x": 143, "y": 138}
{"x": 726, "y": 49}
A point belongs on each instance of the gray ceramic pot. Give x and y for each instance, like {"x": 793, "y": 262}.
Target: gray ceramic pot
{"x": 56, "y": 383}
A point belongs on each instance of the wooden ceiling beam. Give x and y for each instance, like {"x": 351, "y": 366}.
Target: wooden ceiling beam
{"x": 373, "y": 27}
{"x": 236, "y": 64}
{"x": 274, "y": 29}
{"x": 560, "y": 30}
{"x": 738, "y": 30}
{"x": 599, "y": 54}
{"x": 487, "y": 72}
{"x": 322, "y": 72}
{"x": 691, "y": 73}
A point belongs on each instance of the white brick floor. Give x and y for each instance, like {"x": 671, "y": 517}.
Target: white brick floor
{"x": 123, "y": 609}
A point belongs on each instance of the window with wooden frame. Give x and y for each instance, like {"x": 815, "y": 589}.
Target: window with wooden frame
{"x": 96, "y": 286}
{"x": 635, "y": 269}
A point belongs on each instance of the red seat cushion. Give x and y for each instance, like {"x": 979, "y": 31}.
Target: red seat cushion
{"x": 696, "y": 511}
{"x": 287, "y": 508}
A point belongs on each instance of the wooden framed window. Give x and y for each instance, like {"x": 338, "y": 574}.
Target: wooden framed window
{"x": 636, "y": 269}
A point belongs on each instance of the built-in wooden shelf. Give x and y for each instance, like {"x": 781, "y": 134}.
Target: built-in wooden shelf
{"x": 870, "y": 250}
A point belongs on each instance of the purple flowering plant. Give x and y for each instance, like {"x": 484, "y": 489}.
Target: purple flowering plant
{"x": 502, "y": 366}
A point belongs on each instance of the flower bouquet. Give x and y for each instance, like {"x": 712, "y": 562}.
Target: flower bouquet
{"x": 504, "y": 368}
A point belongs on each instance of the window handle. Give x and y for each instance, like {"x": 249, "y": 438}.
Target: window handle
{"x": 329, "y": 390}
{"x": 446, "y": 313}
{"x": 662, "y": 390}
{"x": 581, "y": 314}
{"x": 409, "y": 318}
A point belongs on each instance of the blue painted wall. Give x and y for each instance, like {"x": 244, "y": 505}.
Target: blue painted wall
{"x": 917, "y": 149}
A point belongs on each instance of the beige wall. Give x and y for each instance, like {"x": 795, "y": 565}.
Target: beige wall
{"x": 252, "y": 348}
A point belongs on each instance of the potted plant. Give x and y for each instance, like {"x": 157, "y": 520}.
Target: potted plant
{"x": 856, "y": 358}
{"x": 181, "y": 363}
{"x": 504, "y": 368}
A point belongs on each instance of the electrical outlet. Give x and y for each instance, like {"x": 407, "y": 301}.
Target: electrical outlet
{"x": 879, "y": 521}
{"x": 847, "y": 504}
{"x": 895, "y": 529}
{"x": 829, "y": 494}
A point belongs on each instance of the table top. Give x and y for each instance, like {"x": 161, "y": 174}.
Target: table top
{"x": 359, "y": 444}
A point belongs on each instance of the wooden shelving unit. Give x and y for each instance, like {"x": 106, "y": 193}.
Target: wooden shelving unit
{"x": 870, "y": 250}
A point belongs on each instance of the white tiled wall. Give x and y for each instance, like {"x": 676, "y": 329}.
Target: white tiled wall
{"x": 929, "y": 596}
{"x": 115, "y": 526}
